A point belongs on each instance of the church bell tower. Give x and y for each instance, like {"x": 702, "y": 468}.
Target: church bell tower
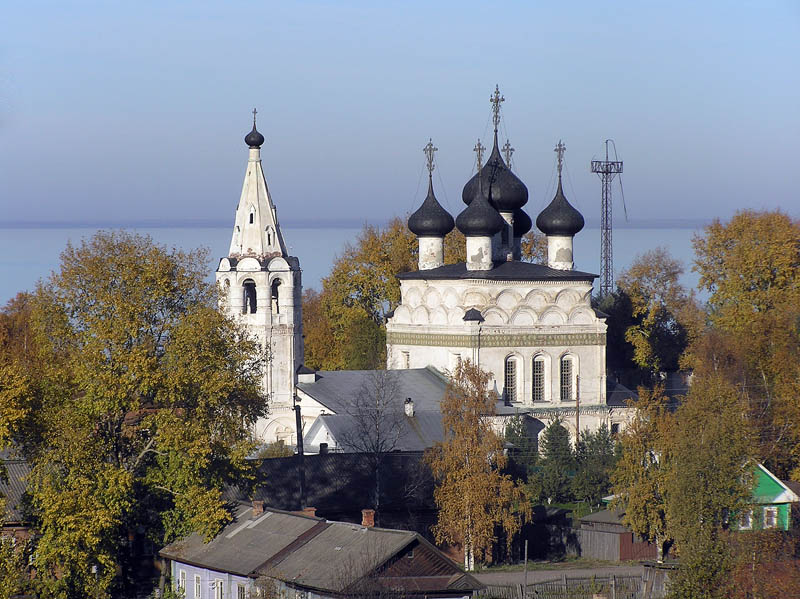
{"x": 261, "y": 288}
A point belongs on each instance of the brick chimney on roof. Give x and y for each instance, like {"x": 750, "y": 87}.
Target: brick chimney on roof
{"x": 309, "y": 511}
{"x": 258, "y": 507}
{"x": 368, "y": 518}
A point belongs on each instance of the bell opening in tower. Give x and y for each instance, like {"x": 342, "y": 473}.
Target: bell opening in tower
{"x": 275, "y": 285}
{"x": 250, "y": 303}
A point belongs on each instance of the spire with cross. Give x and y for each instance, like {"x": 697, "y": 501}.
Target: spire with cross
{"x": 507, "y": 152}
{"x": 560, "y": 149}
{"x": 254, "y": 116}
{"x": 429, "y": 151}
{"x": 496, "y": 99}
{"x": 479, "y": 149}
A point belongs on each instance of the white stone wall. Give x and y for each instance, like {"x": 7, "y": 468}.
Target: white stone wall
{"x": 523, "y": 319}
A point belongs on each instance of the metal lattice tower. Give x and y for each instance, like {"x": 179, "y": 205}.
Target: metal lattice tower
{"x": 607, "y": 169}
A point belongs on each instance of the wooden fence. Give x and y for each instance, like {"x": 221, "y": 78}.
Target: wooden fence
{"x": 599, "y": 587}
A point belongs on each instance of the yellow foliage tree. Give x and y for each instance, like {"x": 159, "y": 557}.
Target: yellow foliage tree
{"x": 141, "y": 409}
{"x": 472, "y": 494}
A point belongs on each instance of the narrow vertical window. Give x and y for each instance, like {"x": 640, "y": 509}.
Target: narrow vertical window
{"x": 250, "y": 303}
{"x": 251, "y": 218}
{"x": 198, "y": 587}
{"x": 537, "y": 391}
{"x": 218, "y": 589}
{"x": 275, "y": 307}
{"x": 511, "y": 379}
{"x": 770, "y": 517}
{"x": 182, "y": 580}
{"x": 240, "y": 592}
{"x": 566, "y": 379}
{"x": 406, "y": 358}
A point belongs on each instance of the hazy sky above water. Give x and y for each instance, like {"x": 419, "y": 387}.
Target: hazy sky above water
{"x": 114, "y": 112}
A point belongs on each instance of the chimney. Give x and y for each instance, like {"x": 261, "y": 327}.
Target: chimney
{"x": 409, "y": 407}
{"x": 368, "y": 518}
{"x": 258, "y": 507}
{"x": 323, "y": 448}
{"x": 309, "y": 511}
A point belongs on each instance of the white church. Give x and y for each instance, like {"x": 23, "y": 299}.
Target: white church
{"x": 531, "y": 326}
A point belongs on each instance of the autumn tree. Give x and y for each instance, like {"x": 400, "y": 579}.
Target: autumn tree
{"x": 141, "y": 411}
{"x": 534, "y": 247}
{"x": 657, "y": 300}
{"x": 472, "y": 494}
{"x": 750, "y": 266}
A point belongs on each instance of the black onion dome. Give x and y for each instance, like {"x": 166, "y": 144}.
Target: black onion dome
{"x": 508, "y": 192}
{"x": 479, "y": 219}
{"x": 430, "y": 220}
{"x": 522, "y": 222}
{"x": 254, "y": 139}
{"x": 559, "y": 218}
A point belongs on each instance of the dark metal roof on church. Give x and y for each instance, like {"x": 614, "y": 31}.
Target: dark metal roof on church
{"x": 504, "y": 271}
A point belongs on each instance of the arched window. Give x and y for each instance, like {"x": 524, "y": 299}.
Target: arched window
{"x": 252, "y": 216}
{"x": 566, "y": 378}
{"x": 510, "y": 381}
{"x": 275, "y": 307}
{"x": 537, "y": 389}
{"x": 250, "y": 304}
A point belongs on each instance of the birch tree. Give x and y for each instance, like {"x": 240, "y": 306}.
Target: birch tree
{"x": 472, "y": 494}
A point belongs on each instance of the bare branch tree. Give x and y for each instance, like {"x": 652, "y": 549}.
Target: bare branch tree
{"x": 376, "y": 421}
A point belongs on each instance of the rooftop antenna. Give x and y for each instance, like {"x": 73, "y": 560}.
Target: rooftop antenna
{"x": 607, "y": 170}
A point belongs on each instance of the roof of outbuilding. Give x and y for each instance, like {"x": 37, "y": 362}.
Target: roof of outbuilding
{"x": 336, "y": 389}
{"x": 417, "y": 433}
{"x": 503, "y": 271}
{"x": 13, "y": 485}
{"x": 605, "y": 517}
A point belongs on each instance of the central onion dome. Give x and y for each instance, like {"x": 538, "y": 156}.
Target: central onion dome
{"x": 254, "y": 139}
{"x": 522, "y": 222}
{"x": 507, "y": 192}
{"x": 430, "y": 219}
{"x": 479, "y": 218}
{"x": 560, "y": 218}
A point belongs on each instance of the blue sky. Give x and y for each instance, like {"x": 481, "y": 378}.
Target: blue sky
{"x": 115, "y": 112}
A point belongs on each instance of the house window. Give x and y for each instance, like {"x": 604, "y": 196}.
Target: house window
{"x": 566, "y": 379}
{"x": 406, "y": 356}
{"x": 182, "y": 580}
{"x": 511, "y": 379}
{"x": 615, "y": 428}
{"x": 250, "y": 303}
{"x": 770, "y": 517}
{"x": 537, "y": 392}
{"x": 218, "y": 589}
{"x": 746, "y": 520}
{"x": 241, "y": 592}
{"x": 410, "y": 554}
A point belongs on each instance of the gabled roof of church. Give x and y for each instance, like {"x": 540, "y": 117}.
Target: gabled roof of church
{"x": 505, "y": 271}
{"x": 335, "y": 389}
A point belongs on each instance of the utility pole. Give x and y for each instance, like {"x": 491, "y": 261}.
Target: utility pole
{"x": 607, "y": 169}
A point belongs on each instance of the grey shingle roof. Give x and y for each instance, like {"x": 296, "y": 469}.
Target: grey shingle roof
{"x": 505, "y": 271}
{"x": 418, "y": 432}
{"x": 304, "y": 551}
{"x": 605, "y": 517}
{"x": 335, "y": 389}
{"x": 13, "y": 485}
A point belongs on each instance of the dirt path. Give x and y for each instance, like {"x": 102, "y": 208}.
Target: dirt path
{"x": 538, "y": 575}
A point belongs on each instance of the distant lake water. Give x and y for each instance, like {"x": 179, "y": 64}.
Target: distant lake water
{"x": 30, "y": 254}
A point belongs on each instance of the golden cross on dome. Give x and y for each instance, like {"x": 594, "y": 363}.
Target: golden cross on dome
{"x": 507, "y": 152}
{"x": 560, "y": 149}
{"x": 429, "y": 150}
{"x": 479, "y": 149}
{"x": 496, "y": 99}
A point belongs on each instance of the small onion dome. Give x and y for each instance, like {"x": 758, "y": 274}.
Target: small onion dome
{"x": 479, "y": 219}
{"x": 522, "y": 222}
{"x": 430, "y": 220}
{"x": 254, "y": 139}
{"x": 559, "y": 218}
{"x": 507, "y": 191}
